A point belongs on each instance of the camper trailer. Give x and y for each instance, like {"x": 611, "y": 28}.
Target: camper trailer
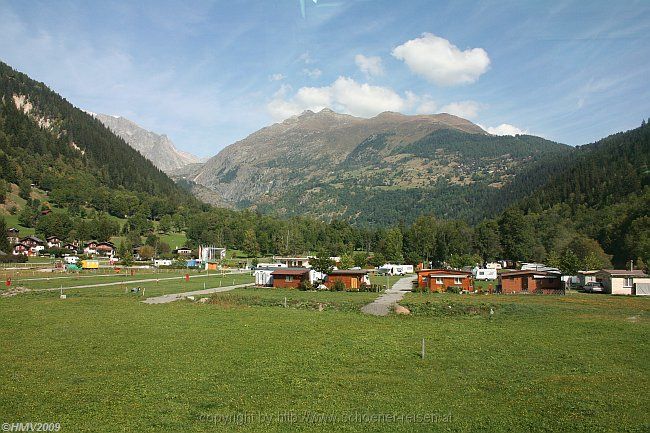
{"x": 484, "y": 274}
{"x": 390, "y": 269}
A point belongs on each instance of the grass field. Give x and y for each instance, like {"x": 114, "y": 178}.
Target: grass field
{"x": 102, "y": 361}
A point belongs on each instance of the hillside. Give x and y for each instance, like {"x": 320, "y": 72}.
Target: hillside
{"x": 374, "y": 171}
{"x": 47, "y": 143}
{"x": 604, "y": 191}
{"x": 157, "y": 148}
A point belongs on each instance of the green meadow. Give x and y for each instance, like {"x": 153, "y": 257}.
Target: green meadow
{"x": 284, "y": 360}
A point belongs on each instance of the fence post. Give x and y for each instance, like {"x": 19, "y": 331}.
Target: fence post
{"x": 423, "y": 348}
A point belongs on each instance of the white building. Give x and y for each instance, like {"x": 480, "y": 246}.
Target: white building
{"x": 622, "y": 282}
{"x": 484, "y": 273}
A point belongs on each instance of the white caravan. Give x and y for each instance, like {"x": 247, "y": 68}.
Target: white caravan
{"x": 390, "y": 269}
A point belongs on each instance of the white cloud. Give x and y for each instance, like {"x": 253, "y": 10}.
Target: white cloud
{"x": 370, "y": 66}
{"x": 312, "y": 73}
{"x": 504, "y": 129}
{"x": 343, "y": 95}
{"x": 441, "y": 62}
{"x": 306, "y": 57}
{"x": 464, "y": 109}
{"x": 426, "y": 105}
{"x": 277, "y": 77}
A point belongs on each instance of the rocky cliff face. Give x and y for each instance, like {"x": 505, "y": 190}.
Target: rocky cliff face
{"x": 157, "y": 148}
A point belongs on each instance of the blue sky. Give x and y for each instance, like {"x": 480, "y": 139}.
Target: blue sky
{"x": 210, "y": 73}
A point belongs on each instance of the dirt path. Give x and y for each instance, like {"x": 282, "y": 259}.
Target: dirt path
{"x": 177, "y": 296}
{"x": 129, "y": 282}
{"x": 382, "y": 305}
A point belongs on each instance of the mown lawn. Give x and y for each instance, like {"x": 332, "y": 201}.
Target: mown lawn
{"x": 113, "y": 364}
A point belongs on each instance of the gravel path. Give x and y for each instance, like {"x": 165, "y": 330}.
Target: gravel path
{"x": 164, "y": 299}
{"x": 129, "y": 282}
{"x": 382, "y": 305}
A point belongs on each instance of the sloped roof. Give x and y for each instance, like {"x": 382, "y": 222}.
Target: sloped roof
{"x": 349, "y": 272}
{"x": 624, "y": 273}
{"x": 290, "y": 271}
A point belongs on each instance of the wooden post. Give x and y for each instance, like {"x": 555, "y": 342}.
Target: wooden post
{"x": 285, "y": 302}
{"x": 423, "y": 348}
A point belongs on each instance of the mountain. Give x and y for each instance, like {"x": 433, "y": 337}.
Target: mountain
{"x": 603, "y": 190}
{"x": 157, "y": 148}
{"x": 375, "y": 171}
{"x": 47, "y": 142}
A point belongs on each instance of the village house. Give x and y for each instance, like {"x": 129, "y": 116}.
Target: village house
{"x": 70, "y": 247}
{"x": 53, "y": 242}
{"x": 13, "y": 235}
{"x": 531, "y": 281}
{"x": 293, "y": 262}
{"x": 289, "y": 277}
{"x": 183, "y": 251}
{"x": 622, "y": 282}
{"x": 352, "y": 278}
{"x": 34, "y": 244}
{"x": 20, "y": 249}
{"x": 105, "y": 248}
{"x": 437, "y": 280}
{"x": 90, "y": 248}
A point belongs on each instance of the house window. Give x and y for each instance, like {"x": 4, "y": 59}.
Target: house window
{"x": 288, "y": 278}
{"x": 627, "y": 282}
{"x": 438, "y": 280}
{"x": 457, "y": 280}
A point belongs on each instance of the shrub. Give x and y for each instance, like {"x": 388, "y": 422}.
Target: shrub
{"x": 453, "y": 289}
{"x": 10, "y": 258}
{"x": 338, "y": 286}
{"x": 305, "y": 285}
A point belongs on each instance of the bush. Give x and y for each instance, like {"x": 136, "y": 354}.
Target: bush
{"x": 338, "y": 286}
{"x": 10, "y": 258}
{"x": 453, "y": 289}
{"x": 305, "y": 285}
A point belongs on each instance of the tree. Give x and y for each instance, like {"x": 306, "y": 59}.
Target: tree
{"x": 346, "y": 261}
{"x": 27, "y": 216}
{"x": 250, "y": 245}
{"x": 4, "y": 242}
{"x": 360, "y": 259}
{"x": 486, "y": 240}
{"x": 391, "y": 245}
{"x": 165, "y": 224}
{"x": 25, "y": 189}
{"x": 377, "y": 260}
{"x": 569, "y": 262}
{"x": 516, "y": 235}
{"x": 125, "y": 252}
{"x": 322, "y": 263}
{"x": 3, "y": 191}
{"x": 147, "y": 252}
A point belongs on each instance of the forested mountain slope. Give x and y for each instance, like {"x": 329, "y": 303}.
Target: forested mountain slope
{"x": 604, "y": 190}
{"x": 46, "y": 141}
{"x": 376, "y": 171}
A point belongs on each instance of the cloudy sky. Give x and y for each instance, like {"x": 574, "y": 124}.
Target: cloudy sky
{"x": 210, "y": 73}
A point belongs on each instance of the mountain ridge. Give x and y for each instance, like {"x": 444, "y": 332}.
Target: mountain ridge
{"x": 158, "y": 148}
{"x": 306, "y": 162}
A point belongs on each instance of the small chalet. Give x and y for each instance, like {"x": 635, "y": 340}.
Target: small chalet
{"x": 71, "y": 247}
{"x": 437, "y": 280}
{"x": 289, "y": 277}
{"x": 353, "y": 278}
{"x": 622, "y": 282}
{"x": 13, "y": 235}
{"x": 53, "y": 242}
{"x": 105, "y": 248}
{"x": 530, "y": 281}
{"x": 20, "y": 249}
{"x": 32, "y": 241}
{"x": 90, "y": 247}
{"x": 183, "y": 251}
